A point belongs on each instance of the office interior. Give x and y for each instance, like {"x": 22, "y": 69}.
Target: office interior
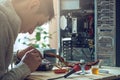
{"x": 87, "y": 30}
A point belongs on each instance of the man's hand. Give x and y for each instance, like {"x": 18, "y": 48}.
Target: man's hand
{"x": 32, "y": 59}
{"x": 30, "y": 56}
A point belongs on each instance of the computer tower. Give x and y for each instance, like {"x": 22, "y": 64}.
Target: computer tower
{"x": 94, "y": 29}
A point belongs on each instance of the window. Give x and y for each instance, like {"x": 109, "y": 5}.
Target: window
{"x": 24, "y": 39}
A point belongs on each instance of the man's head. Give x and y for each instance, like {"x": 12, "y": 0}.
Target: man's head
{"x": 33, "y": 13}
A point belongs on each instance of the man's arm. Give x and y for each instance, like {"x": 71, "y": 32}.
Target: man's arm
{"x": 21, "y": 70}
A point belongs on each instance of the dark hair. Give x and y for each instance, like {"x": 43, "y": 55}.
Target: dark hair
{"x": 46, "y": 8}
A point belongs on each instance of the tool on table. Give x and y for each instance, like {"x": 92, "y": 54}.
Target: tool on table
{"x": 74, "y": 69}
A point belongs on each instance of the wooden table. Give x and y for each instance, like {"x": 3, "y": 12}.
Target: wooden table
{"x": 113, "y": 73}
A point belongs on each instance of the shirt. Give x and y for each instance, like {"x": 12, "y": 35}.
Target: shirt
{"x": 9, "y": 28}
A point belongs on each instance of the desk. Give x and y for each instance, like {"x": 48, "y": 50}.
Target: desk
{"x": 114, "y": 73}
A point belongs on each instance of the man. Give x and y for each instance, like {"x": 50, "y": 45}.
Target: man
{"x": 20, "y": 16}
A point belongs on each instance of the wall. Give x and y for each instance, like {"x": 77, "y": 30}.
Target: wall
{"x": 54, "y": 27}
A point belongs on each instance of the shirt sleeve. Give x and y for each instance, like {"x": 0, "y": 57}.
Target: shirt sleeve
{"x": 18, "y": 73}
{"x": 21, "y": 70}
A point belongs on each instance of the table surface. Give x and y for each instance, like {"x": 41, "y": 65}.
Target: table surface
{"x": 112, "y": 73}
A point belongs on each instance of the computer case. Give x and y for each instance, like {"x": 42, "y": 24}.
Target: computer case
{"x": 104, "y": 43}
